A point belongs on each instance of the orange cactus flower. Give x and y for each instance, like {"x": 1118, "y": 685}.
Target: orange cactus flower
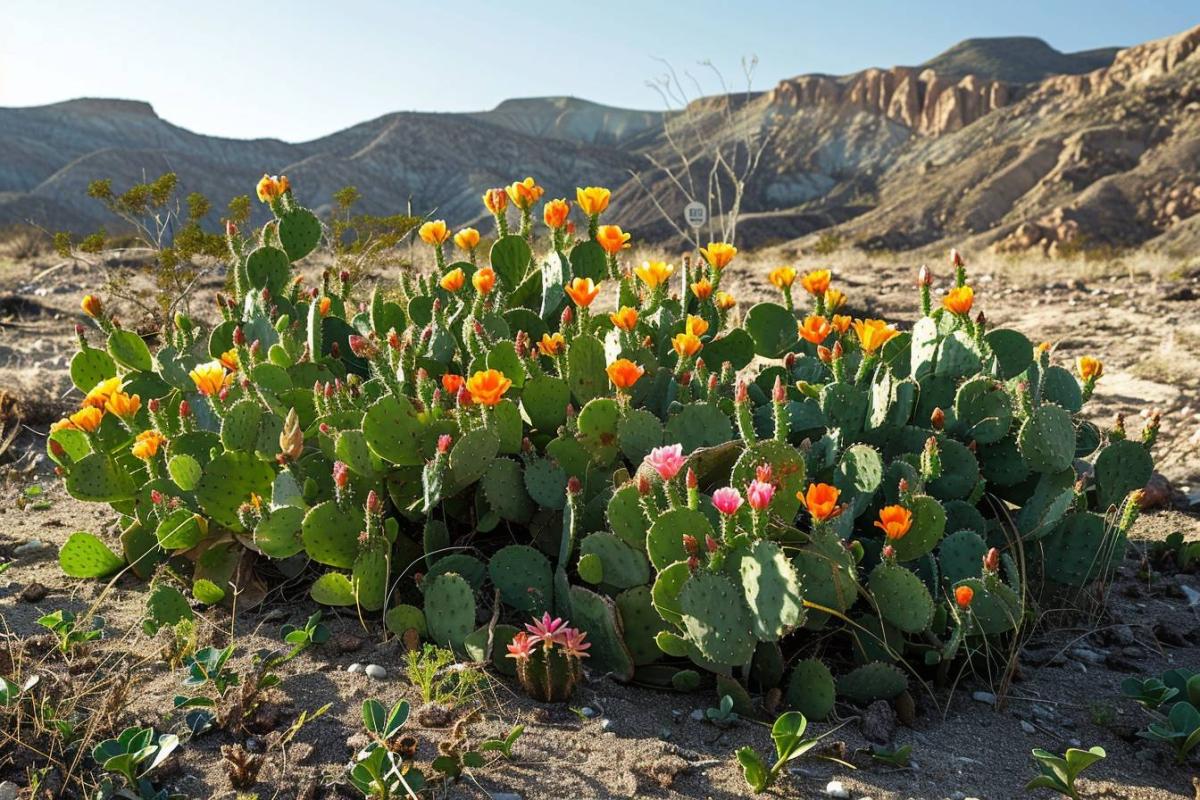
{"x": 593, "y": 199}
{"x": 624, "y": 373}
{"x": 834, "y": 300}
{"x": 555, "y": 213}
{"x": 434, "y": 232}
{"x": 209, "y": 378}
{"x": 452, "y": 383}
{"x": 229, "y": 360}
{"x": 92, "y": 306}
{"x": 963, "y": 595}
{"x": 147, "y": 444}
{"x": 467, "y": 239}
{"x": 524, "y": 194}
{"x": 815, "y": 329}
{"x": 873, "y": 334}
{"x": 495, "y": 200}
{"x": 654, "y": 273}
{"x": 271, "y": 187}
{"x": 894, "y": 521}
{"x": 99, "y": 394}
{"x": 551, "y": 344}
{"x": 1090, "y": 368}
{"x": 725, "y": 301}
{"x": 624, "y": 319}
{"x": 816, "y": 282}
{"x": 821, "y": 500}
{"x": 686, "y": 344}
{"x": 453, "y": 280}
{"x": 702, "y": 289}
{"x": 718, "y": 255}
{"x": 62, "y": 425}
{"x": 959, "y": 300}
{"x": 87, "y": 418}
{"x": 582, "y": 291}
{"x": 612, "y": 239}
{"x": 324, "y": 306}
{"x": 841, "y": 323}
{"x": 484, "y": 280}
{"x": 123, "y": 405}
{"x": 782, "y": 277}
{"x": 488, "y": 386}
{"x": 696, "y": 326}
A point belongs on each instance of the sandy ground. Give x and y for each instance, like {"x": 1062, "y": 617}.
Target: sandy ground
{"x": 634, "y": 742}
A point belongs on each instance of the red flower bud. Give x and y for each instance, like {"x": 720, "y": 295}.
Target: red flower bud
{"x": 231, "y": 229}
{"x": 324, "y": 428}
{"x": 824, "y": 354}
{"x": 693, "y": 563}
{"x": 837, "y": 350}
{"x": 741, "y": 394}
{"x": 239, "y": 338}
{"x": 778, "y": 393}
{"x": 789, "y": 360}
{"x": 643, "y": 485}
{"x": 444, "y": 442}
{"x": 711, "y": 544}
{"x": 889, "y": 551}
{"x": 924, "y": 276}
{"x": 154, "y": 405}
{"x": 690, "y": 544}
{"x": 691, "y": 479}
{"x": 712, "y": 382}
{"x": 79, "y": 329}
{"x": 991, "y": 561}
{"x": 956, "y": 259}
{"x": 567, "y": 316}
{"x": 344, "y": 276}
{"x": 156, "y": 497}
{"x": 57, "y": 449}
{"x": 903, "y": 486}
{"x": 374, "y": 504}
{"x": 185, "y": 409}
{"x": 937, "y": 419}
{"x": 685, "y": 379}
{"x": 573, "y": 485}
{"x": 393, "y": 340}
{"x": 223, "y": 395}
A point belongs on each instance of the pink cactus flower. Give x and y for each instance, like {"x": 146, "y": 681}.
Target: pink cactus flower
{"x": 444, "y": 442}
{"x": 667, "y": 461}
{"x": 573, "y": 643}
{"x": 521, "y": 647}
{"x": 763, "y": 473}
{"x": 727, "y": 500}
{"x": 546, "y": 630}
{"x": 759, "y": 494}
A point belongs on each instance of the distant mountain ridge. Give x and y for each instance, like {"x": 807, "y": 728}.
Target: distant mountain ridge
{"x": 1007, "y": 141}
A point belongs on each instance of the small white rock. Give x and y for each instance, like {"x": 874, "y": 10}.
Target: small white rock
{"x": 28, "y": 548}
{"x": 375, "y": 671}
{"x": 355, "y": 667}
{"x": 606, "y": 724}
{"x": 8, "y": 791}
{"x": 698, "y": 715}
{"x": 1028, "y": 727}
{"x": 984, "y": 697}
{"x": 836, "y": 789}
{"x": 588, "y": 711}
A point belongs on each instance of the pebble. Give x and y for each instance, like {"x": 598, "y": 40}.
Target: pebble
{"x": 588, "y": 711}
{"x": 505, "y": 796}
{"x": 1074, "y": 743}
{"x": 1028, "y": 727}
{"x": 8, "y": 791}
{"x": 28, "y": 548}
{"x": 253, "y": 745}
{"x": 606, "y": 724}
{"x": 698, "y": 715}
{"x": 355, "y": 667}
{"x": 1042, "y": 712}
{"x": 836, "y": 789}
{"x": 984, "y": 697}
{"x": 375, "y": 671}
{"x": 1088, "y": 655}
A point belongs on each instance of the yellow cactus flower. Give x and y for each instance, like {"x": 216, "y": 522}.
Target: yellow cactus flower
{"x": 702, "y": 289}
{"x": 1090, "y": 368}
{"x": 551, "y": 344}
{"x": 484, "y": 280}
{"x": 593, "y": 199}
{"x": 229, "y": 360}
{"x": 524, "y": 194}
{"x": 841, "y": 323}
{"x": 718, "y": 255}
{"x": 816, "y": 282}
{"x": 434, "y": 232}
{"x": 147, "y": 444}
{"x": 654, "y": 273}
{"x": 686, "y": 344}
{"x": 725, "y": 301}
{"x": 467, "y": 239}
{"x": 209, "y": 378}
{"x": 271, "y": 187}
{"x": 98, "y": 396}
{"x": 625, "y": 318}
{"x": 959, "y": 300}
{"x": 782, "y": 277}
{"x": 488, "y": 386}
{"x": 324, "y": 306}
{"x": 495, "y": 200}
{"x": 453, "y": 280}
{"x": 92, "y": 306}
{"x": 123, "y": 405}
{"x": 87, "y": 418}
{"x": 555, "y": 213}
{"x": 834, "y": 300}
{"x": 612, "y": 239}
{"x": 815, "y": 329}
{"x": 873, "y": 334}
{"x": 696, "y": 326}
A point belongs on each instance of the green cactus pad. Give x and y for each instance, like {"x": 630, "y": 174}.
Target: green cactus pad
{"x": 475, "y": 648}
{"x": 504, "y": 486}
{"x": 672, "y": 644}
{"x": 545, "y": 400}
{"x": 394, "y": 432}
{"x": 449, "y": 609}
{"x": 1053, "y": 497}
{"x": 958, "y": 356}
{"x": 960, "y": 471}
{"x": 299, "y": 232}
{"x": 546, "y": 483}
{"x": 278, "y": 534}
{"x": 332, "y": 589}
{"x": 130, "y": 351}
{"x": 995, "y": 608}
{"x": 598, "y": 429}
{"x": 84, "y": 555}
{"x": 961, "y": 555}
{"x": 1012, "y": 351}
{"x": 467, "y": 567}
{"x": 685, "y": 680}
{"x": 699, "y": 426}
{"x": 586, "y": 374}
{"x": 787, "y": 473}
{"x": 330, "y": 534}
{"x": 626, "y": 518}
{"x": 240, "y": 425}
{"x": 1047, "y": 439}
{"x": 96, "y": 478}
{"x": 1002, "y": 464}
{"x": 664, "y": 540}
{"x": 185, "y": 471}
{"x": 665, "y": 591}
{"x": 624, "y": 567}
{"x": 983, "y": 410}
{"x": 268, "y": 268}
{"x": 472, "y": 456}
{"x": 141, "y": 550}
{"x": 1061, "y": 388}
{"x": 639, "y": 624}
{"x": 871, "y": 682}
{"x": 902, "y": 598}
{"x": 403, "y": 617}
{"x": 716, "y": 619}
{"x": 736, "y": 347}
{"x": 845, "y": 406}
{"x": 638, "y": 433}
{"x": 928, "y": 526}
{"x": 510, "y": 256}
{"x": 180, "y": 530}
{"x": 1081, "y": 549}
{"x": 91, "y": 366}
{"x": 961, "y": 515}
{"x": 1121, "y": 467}
{"x": 165, "y": 607}
{"x": 523, "y": 576}
{"x": 597, "y": 616}
{"x": 590, "y": 569}
{"x": 810, "y": 689}
{"x": 859, "y": 475}
{"x": 229, "y": 480}
{"x": 773, "y": 329}
{"x": 828, "y": 574}
{"x": 771, "y": 589}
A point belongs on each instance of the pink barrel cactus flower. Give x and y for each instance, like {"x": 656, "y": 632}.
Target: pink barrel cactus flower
{"x": 667, "y": 461}
{"x": 548, "y": 630}
{"x": 573, "y": 642}
{"x": 521, "y": 647}
{"x": 727, "y": 500}
{"x": 759, "y": 494}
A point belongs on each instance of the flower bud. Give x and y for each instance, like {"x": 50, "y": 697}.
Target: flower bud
{"x": 692, "y": 482}
{"x": 231, "y": 228}
{"x": 956, "y": 259}
{"x": 393, "y": 339}
{"x": 79, "y": 329}
{"x": 693, "y": 563}
{"x": 779, "y": 393}
{"x": 573, "y": 485}
{"x": 991, "y": 561}
{"x": 341, "y": 474}
{"x": 924, "y": 276}
{"x": 690, "y": 544}
{"x": 154, "y": 405}
{"x": 711, "y": 544}
{"x": 741, "y": 393}
{"x": 937, "y": 419}
{"x": 156, "y": 497}
{"x": 444, "y": 442}
{"x": 185, "y": 409}
{"x": 837, "y": 350}
{"x": 335, "y": 350}
{"x": 374, "y": 504}
{"x": 824, "y": 354}
{"x": 57, "y": 449}
{"x": 713, "y": 382}
{"x": 643, "y": 485}
{"x": 223, "y": 395}
{"x": 903, "y": 486}
{"x": 789, "y": 360}
{"x": 889, "y": 551}
{"x": 567, "y": 316}
{"x": 239, "y": 337}
{"x": 344, "y": 276}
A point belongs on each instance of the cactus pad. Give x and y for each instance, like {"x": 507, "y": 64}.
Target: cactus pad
{"x": 787, "y": 472}
{"x": 268, "y": 268}
{"x": 586, "y": 375}
{"x": 1013, "y": 353}
{"x": 545, "y": 400}
{"x": 1081, "y": 549}
{"x": 902, "y": 598}
{"x": 983, "y": 410}
{"x": 960, "y": 470}
{"x": 859, "y": 474}
{"x": 639, "y": 624}
{"x": 299, "y": 233}
{"x": 597, "y": 616}
{"x": 472, "y": 456}
{"x": 828, "y": 574}
{"x": 546, "y": 483}
{"x": 394, "y": 432}
{"x": 771, "y": 589}
{"x": 664, "y": 541}
{"x": 961, "y": 556}
{"x": 330, "y": 534}
{"x": 504, "y": 486}
{"x": 870, "y": 682}
{"x": 810, "y": 689}
{"x": 277, "y": 535}
{"x": 928, "y": 526}
{"x": 91, "y": 366}
{"x": 229, "y": 480}
{"x": 624, "y": 567}
{"x": 84, "y": 555}
{"x": 699, "y": 426}
{"x": 96, "y": 478}
{"x": 1121, "y": 467}
{"x": 1047, "y": 439}
{"x": 638, "y": 433}
{"x": 626, "y": 518}
{"x": 716, "y": 619}
{"x": 773, "y": 329}
{"x": 522, "y": 574}
{"x": 449, "y": 609}
{"x": 332, "y": 589}
{"x": 598, "y": 429}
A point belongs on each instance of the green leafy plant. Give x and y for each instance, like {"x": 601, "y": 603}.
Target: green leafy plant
{"x": 788, "y": 735}
{"x": 383, "y": 769}
{"x": 1150, "y": 693}
{"x": 133, "y": 755}
{"x": 505, "y": 745}
{"x": 723, "y": 714}
{"x": 301, "y": 638}
{"x": 1058, "y": 773}
{"x": 208, "y": 666}
{"x": 1177, "y": 551}
{"x": 10, "y": 692}
{"x": 1180, "y": 730}
{"x": 66, "y": 628}
{"x": 439, "y": 679}
{"x": 898, "y": 757}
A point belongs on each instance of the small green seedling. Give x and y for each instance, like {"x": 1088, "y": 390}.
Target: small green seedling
{"x": 790, "y": 744}
{"x": 208, "y": 665}
{"x": 723, "y": 715}
{"x": 452, "y": 765}
{"x": 65, "y": 626}
{"x": 302, "y": 638}
{"x": 378, "y": 771}
{"x": 504, "y": 745}
{"x": 11, "y": 692}
{"x": 1180, "y": 730}
{"x": 1185, "y": 553}
{"x": 1149, "y": 693}
{"x": 1186, "y": 684}
{"x": 1059, "y": 772}
{"x": 896, "y": 758}
{"x": 133, "y": 755}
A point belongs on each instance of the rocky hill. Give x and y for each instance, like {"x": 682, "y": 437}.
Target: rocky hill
{"x": 1006, "y": 142}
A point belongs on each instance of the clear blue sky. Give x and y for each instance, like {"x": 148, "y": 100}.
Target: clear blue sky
{"x": 297, "y": 69}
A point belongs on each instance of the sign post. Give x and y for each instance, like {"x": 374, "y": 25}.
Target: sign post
{"x": 696, "y": 215}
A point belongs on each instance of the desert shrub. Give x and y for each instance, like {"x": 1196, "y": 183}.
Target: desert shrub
{"x": 768, "y": 501}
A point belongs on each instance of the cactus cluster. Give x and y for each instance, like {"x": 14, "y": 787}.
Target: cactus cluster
{"x": 796, "y": 501}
